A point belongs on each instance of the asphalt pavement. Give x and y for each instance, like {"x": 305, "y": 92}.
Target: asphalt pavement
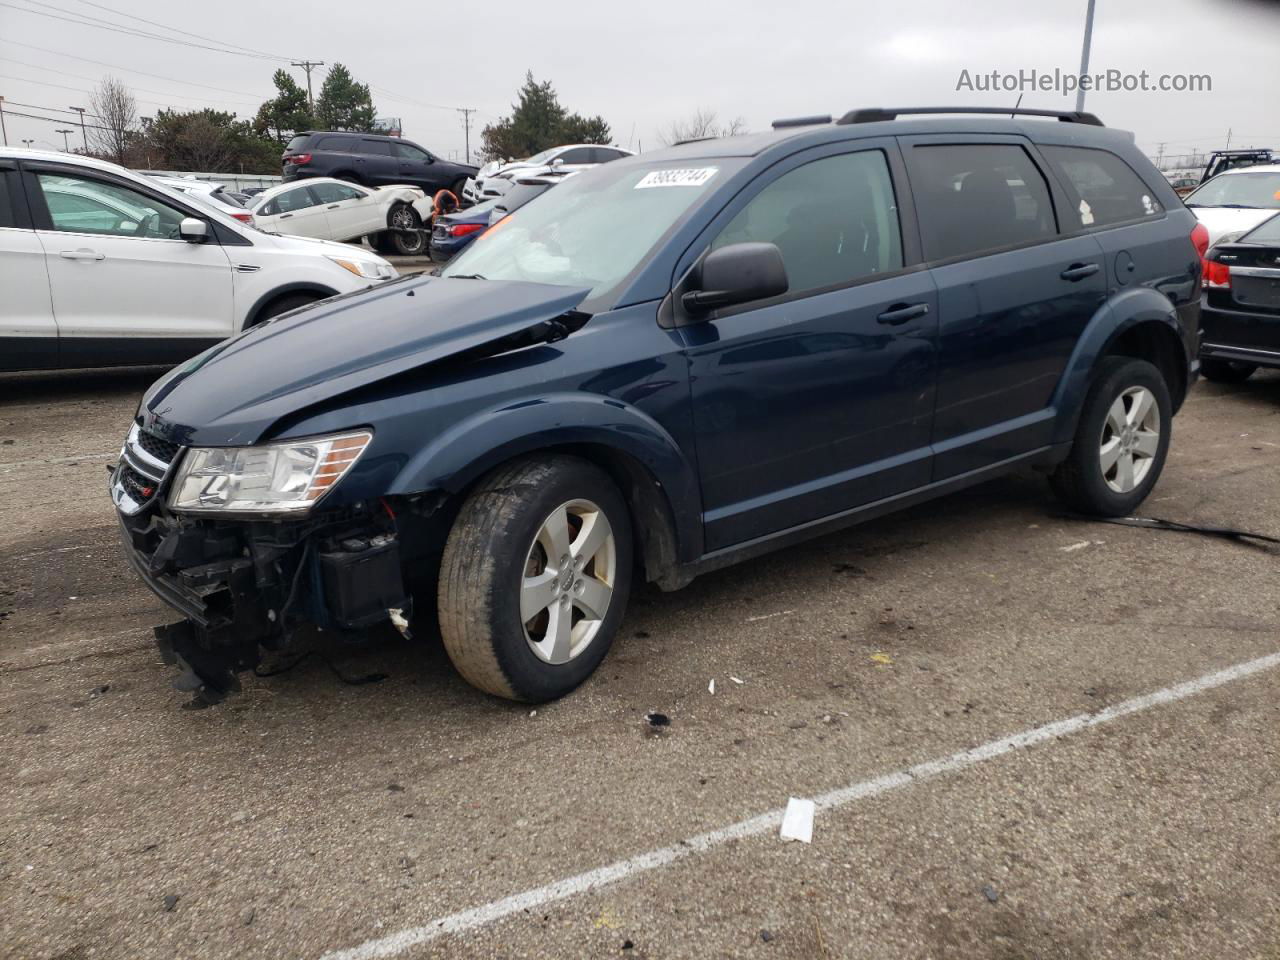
{"x": 1030, "y": 736}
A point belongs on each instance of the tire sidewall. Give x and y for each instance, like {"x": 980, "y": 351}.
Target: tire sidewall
{"x": 1117, "y": 378}
{"x": 530, "y": 677}
{"x": 397, "y": 240}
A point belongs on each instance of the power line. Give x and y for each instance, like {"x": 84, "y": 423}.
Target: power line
{"x": 164, "y": 26}
{"x": 32, "y": 116}
{"x": 116, "y": 66}
{"x": 81, "y": 90}
{"x": 85, "y": 21}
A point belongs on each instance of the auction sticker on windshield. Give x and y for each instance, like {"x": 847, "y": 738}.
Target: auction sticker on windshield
{"x": 685, "y": 177}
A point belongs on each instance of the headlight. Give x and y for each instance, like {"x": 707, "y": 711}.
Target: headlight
{"x": 272, "y": 478}
{"x": 369, "y": 269}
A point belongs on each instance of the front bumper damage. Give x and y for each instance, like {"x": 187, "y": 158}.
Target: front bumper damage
{"x": 245, "y": 585}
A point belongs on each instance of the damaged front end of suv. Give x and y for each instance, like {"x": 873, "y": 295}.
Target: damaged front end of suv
{"x": 222, "y": 549}
{"x": 242, "y": 508}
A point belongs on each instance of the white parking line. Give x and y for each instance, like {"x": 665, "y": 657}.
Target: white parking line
{"x": 465, "y": 920}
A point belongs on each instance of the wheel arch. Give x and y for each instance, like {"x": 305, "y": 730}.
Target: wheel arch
{"x": 657, "y": 481}
{"x": 1138, "y": 323}
{"x": 284, "y": 290}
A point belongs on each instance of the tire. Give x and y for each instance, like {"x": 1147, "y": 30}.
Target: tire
{"x": 381, "y": 242}
{"x": 291, "y": 301}
{"x": 1081, "y": 480}
{"x": 410, "y": 240}
{"x": 1226, "y": 371}
{"x": 497, "y": 545}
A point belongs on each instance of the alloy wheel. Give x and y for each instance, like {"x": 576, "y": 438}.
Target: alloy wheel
{"x": 1130, "y": 439}
{"x": 570, "y": 574}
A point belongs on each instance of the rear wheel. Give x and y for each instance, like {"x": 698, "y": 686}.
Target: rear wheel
{"x": 1121, "y": 442}
{"x": 535, "y": 578}
{"x": 1226, "y": 371}
{"x": 406, "y": 236}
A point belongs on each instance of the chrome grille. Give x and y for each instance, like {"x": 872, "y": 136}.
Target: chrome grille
{"x": 145, "y": 460}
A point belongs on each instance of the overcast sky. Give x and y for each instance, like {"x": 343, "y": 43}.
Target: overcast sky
{"x": 643, "y": 64}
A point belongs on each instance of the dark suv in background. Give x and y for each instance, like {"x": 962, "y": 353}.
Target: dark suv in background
{"x": 371, "y": 160}
{"x": 667, "y": 364}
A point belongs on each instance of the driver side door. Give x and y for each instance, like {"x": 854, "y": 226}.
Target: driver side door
{"x": 125, "y": 288}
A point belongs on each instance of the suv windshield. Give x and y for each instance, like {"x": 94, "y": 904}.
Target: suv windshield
{"x": 1239, "y": 190}
{"x": 595, "y": 228}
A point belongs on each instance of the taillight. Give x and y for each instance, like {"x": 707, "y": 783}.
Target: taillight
{"x": 245, "y": 217}
{"x": 298, "y": 158}
{"x": 1217, "y": 275}
{"x": 1200, "y": 240}
{"x": 465, "y": 229}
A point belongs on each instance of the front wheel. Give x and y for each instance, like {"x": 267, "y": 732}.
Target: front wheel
{"x": 535, "y": 578}
{"x": 1226, "y": 371}
{"x": 406, "y": 236}
{"x": 1121, "y": 442}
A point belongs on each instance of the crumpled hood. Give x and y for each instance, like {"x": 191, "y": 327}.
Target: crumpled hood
{"x": 234, "y": 392}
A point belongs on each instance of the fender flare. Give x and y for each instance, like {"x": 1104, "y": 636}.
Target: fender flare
{"x": 1119, "y": 314}
{"x": 319, "y": 289}
{"x": 471, "y": 448}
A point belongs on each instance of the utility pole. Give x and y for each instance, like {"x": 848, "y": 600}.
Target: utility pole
{"x": 1084, "y": 55}
{"x": 65, "y": 145}
{"x": 84, "y": 133}
{"x": 1159, "y": 156}
{"x": 466, "y": 127}
{"x": 1228, "y": 146}
{"x": 2, "y": 129}
{"x": 308, "y": 65}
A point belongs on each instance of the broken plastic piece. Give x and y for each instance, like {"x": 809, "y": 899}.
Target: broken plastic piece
{"x": 735, "y": 679}
{"x": 711, "y": 687}
{"x": 797, "y": 821}
{"x": 400, "y": 621}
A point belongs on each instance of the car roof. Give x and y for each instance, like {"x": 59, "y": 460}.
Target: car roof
{"x": 280, "y": 188}
{"x": 61, "y": 156}
{"x": 1255, "y": 168}
{"x": 755, "y": 144}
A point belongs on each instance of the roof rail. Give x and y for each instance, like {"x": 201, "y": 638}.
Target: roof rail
{"x": 875, "y": 114}
{"x": 681, "y": 143}
{"x": 802, "y": 121}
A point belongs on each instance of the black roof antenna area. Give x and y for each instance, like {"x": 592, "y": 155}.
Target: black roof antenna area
{"x": 877, "y": 114}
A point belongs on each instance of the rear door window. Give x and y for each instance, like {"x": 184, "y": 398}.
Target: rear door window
{"x": 977, "y": 198}
{"x": 375, "y": 148}
{"x": 336, "y": 144}
{"x": 834, "y": 220}
{"x": 1102, "y": 187}
{"x": 292, "y": 200}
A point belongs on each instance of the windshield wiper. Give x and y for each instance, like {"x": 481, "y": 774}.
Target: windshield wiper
{"x": 466, "y": 276}
{"x": 1239, "y": 206}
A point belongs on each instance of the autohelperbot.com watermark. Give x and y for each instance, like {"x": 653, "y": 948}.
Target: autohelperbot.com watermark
{"x": 1065, "y": 81}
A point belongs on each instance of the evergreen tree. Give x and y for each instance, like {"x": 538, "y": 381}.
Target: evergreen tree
{"x": 286, "y": 113}
{"x": 343, "y": 103}
{"x": 538, "y": 121}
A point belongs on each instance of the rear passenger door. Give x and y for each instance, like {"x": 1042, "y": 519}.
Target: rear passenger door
{"x": 1014, "y": 294}
{"x": 28, "y": 332}
{"x": 375, "y": 165}
{"x": 817, "y": 401}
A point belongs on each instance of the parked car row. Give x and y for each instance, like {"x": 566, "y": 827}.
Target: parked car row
{"x": 331, "y": 209}
{"x": 101, "y": 266}
{"x": 496, "y": 177}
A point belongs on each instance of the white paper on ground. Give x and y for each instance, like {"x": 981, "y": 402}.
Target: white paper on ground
{"x": 797, "y": 822}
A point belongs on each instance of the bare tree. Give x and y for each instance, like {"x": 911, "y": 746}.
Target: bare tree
{"x": 117, "y": 114}
{"x": 703, "y": 123}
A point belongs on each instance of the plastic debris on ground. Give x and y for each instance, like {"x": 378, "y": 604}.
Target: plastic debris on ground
{"x": 711, "y": 687}
{"x": 797, "y": 821}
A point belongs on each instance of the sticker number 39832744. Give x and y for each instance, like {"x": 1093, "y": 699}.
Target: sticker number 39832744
{"x": 683, "y": 177}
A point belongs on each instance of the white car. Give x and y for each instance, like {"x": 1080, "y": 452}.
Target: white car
{"x": 494, "y": 178}
{"x": 1236, "y": 200}
{"x": 330, "y": 209}
{"x": 102, "y": 267}
{"x": 210, "y": 193}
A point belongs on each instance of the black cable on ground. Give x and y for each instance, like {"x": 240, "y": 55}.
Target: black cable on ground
{"x": 1175, "y": 526}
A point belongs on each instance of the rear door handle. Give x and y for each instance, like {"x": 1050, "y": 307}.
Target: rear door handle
{"x": 82, "y": 254}
{"x": 900, "y": 313}
{"x": 1078, "y": 271}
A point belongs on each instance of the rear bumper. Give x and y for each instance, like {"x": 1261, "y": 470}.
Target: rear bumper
{"x": 1245, "y": 336}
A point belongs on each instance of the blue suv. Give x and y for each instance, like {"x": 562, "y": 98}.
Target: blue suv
{"x": 666, "y": 365}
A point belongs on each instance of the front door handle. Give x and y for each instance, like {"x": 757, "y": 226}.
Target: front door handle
{"x": 285, "y": 216}
{"x": 332, "y": 206}
{"x": 900, "y": 313}
{"x": 1078, "y": 271}
{"x": 82, "y": 254}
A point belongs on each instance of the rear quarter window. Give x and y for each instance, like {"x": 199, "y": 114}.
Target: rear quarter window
{"x": 7, "y": 218}
{"x": 297, "y": 143}
{"x": 1103, "y": 188}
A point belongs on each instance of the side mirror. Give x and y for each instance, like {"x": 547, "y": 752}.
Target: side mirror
{"x": 738, "y": 273}
{"x": 557, "y": 162}
{"x": 193, "y": 230}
